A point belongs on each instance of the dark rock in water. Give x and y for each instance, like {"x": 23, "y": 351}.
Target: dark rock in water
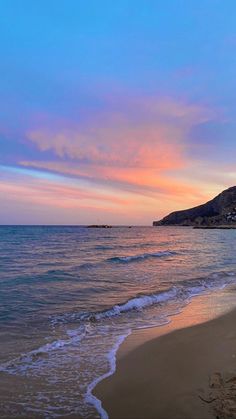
{"x": 220, "y": 211}
{"x": 99, "y": 226}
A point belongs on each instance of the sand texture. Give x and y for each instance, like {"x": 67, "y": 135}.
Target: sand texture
{"x": 189, "y": 373}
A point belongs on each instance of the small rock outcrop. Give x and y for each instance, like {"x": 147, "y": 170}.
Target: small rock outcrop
{"x": 99, "y": 226}
{"x": 220, "y": 211}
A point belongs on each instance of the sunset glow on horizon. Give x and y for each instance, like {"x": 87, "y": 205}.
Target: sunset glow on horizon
{"x": 115, "y": 113}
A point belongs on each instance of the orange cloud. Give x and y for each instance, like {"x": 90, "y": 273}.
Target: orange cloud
{"x": 132, "y": 159}
{"x": 135, "y": 181}
{"x": 142, "y": 146}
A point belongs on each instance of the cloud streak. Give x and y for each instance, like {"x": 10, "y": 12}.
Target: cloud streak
{"x": 135, "y": 149}
{"x": 127, "y": 158}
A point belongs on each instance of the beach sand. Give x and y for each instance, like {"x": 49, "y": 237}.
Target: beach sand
{"x": 186, "y": 373}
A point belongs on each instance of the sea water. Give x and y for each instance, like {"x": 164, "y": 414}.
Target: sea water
{"x": 70, "y": 295}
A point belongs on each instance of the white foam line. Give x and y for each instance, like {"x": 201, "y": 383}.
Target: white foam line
{"x": 27, "y": 358}
{"x": 111, "y": 356}
{"x": 90, "y": 398}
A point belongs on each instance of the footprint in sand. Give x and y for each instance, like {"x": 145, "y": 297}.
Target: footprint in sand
{"x": 222, "y": 395}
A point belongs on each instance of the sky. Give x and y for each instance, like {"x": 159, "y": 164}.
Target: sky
{"x": 115, "y": 112}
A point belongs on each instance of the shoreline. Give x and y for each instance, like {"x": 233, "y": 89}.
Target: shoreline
{"x": 164, "y": 372}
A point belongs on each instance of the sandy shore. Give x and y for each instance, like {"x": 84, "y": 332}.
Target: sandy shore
{"x": 188, "y": 373}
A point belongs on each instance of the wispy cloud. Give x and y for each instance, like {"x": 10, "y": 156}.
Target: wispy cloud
{"x": 134, "y": 158}
{"x": 134, "y": 148}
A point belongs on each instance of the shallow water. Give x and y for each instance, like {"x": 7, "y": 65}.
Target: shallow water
{"x": 69, "y": 296}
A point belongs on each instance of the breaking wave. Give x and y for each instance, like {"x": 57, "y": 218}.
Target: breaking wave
{"x": 22, "y": 362}
{"x": 127, "y": 259}
{"x": 182, "y": 293}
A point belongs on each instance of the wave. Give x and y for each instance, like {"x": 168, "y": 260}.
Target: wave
{"x": 127, "y": 259}
{"x": 103, "y": 247}
{"x": 93, "y": 325}
{"x": 136, "y": 303}
{"x": 24, "y": 360}
{"x": 181, "y": 292}
{"x": 128, "y": 246}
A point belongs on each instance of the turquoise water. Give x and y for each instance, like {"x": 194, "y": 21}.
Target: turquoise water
{"x": 70, "y": 295}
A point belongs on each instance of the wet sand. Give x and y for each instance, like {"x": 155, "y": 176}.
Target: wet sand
{"x": 187, "y": 373}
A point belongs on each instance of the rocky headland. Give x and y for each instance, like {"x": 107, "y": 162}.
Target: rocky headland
{"x": 220, "y": 212}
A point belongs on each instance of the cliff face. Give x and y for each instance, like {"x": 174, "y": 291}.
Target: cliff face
{"x": 219, "y": 211}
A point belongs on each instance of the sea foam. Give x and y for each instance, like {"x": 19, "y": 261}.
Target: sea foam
{"x": 111, "y": 357}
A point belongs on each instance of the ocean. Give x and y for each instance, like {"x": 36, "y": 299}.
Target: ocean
{"x": 70, "y": 295}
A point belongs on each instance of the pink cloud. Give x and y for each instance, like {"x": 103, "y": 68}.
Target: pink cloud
{"x": 139, "y": 149}
{"x": 153, "y": 134}
{"x": 58, "y": 195}
{"x": 128, "y": 161}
